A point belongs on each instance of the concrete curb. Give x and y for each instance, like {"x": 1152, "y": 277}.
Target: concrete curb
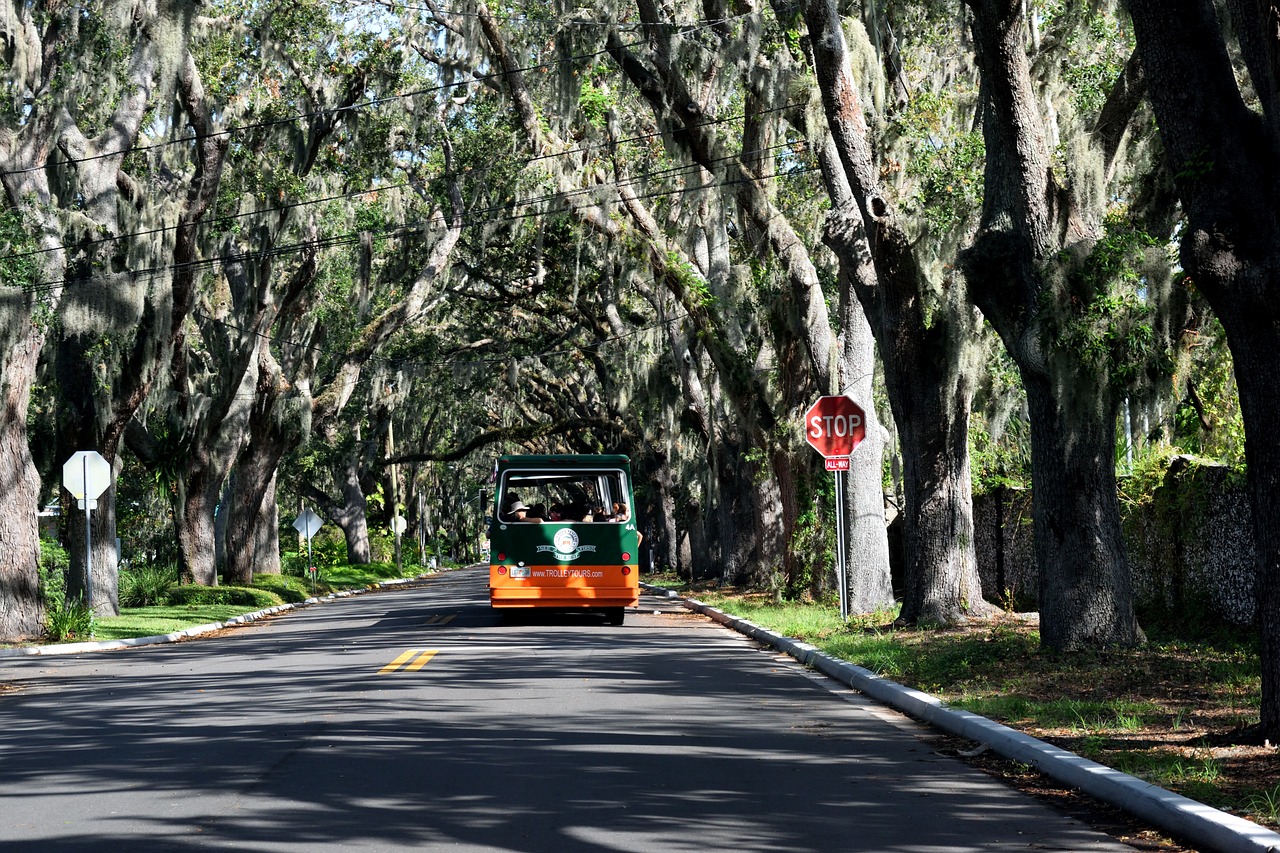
{"x": 1177, "y": 815}
{"x": 196, "y": 630}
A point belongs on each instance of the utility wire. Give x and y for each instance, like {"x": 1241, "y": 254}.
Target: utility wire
{"x": 474, "y": 173}
{"x": 353, "y": 238}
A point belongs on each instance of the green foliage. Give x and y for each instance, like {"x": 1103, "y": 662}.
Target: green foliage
{"x": 289, "y": 588}
{"x": 691, "y": 281}
{"x": 242, "y": 596}
{"x": 1095, "y": 51}
{"x": 1211, "y": 398}
{"x": 595, "y": 104}
{"x": 1101, "y": 310}
{"x": 946, "y": 166}
{"x": 69, "y": 621}
{"x": 19, "y": 267}
{"x": 147, "y": 584}
{"x": 63, "y": 620}
{"x": 999, "y": 434}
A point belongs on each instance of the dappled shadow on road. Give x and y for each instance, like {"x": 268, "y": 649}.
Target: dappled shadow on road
{"x": 570, "y": 737}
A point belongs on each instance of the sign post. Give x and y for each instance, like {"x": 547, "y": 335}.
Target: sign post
{"x": 398, "y": 526}
{"x": 86, "y": 475}
{"x": 308, "y": 524}
{"x": 835, "y": 426}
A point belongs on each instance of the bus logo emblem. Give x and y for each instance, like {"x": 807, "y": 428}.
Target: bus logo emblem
{"x": 566, "y": 541}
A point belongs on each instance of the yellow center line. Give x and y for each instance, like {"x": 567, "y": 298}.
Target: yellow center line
{"x": 422, "y": 660}
{"x": 395, "y": 664}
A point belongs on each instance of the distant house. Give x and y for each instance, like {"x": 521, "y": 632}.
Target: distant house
{"x": 47, "y": 519}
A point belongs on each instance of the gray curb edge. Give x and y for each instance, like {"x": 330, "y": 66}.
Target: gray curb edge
{"x": 1177, "y": 815}
{"x": 196, "y": 630}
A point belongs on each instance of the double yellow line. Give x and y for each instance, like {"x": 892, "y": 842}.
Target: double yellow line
{"x": 418, "y": 662}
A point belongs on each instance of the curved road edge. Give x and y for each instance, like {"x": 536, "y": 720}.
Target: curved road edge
{"x": 1175, "y": 814}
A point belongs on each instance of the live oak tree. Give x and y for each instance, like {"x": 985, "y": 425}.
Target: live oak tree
{"x": 1213, "y": 76}
{"x": 1084, "y": 302}
{"x": 82, "y": 85}
{"x": 926, "y": 330}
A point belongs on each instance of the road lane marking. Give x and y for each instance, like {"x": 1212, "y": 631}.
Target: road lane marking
{"x": 422, "y": 657}
{"x": 422, "y": 660}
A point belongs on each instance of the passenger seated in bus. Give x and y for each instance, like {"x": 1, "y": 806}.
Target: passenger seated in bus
{"x": 619, "y": 511}
{"x": 556, "y": 513}
{"x": 519, "y": 512}
{"x": 538, "y": 511}
{"x": 575, "y": 512}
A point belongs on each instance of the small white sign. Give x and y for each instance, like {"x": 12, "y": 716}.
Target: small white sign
{"x": 399, "y": 525}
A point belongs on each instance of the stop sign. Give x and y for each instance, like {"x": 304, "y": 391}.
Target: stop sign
{"x": 834, "y": 426}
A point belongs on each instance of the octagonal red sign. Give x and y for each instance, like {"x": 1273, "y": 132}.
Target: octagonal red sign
{"x": 834, "y": 426}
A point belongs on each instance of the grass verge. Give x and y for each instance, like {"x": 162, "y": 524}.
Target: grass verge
{"x": 186, "y": 606}
{"x": 1167, "y": 713}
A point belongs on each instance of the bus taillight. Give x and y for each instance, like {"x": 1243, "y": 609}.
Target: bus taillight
{"x": 501, "y": 557}
{"x": 626, "y": 570}
{"x": 626, "y": 558}
{"x": 502, "y": 570}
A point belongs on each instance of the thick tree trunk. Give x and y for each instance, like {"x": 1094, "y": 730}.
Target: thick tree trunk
{"x": 923, "y": 334}
{"x": 662, "y": 525}
{"x": 1027, "y": 223}
{"x": 255, "y": 481}
{"x": 267, "y": 535}
{"x": 1257, "y": 368}
{"x": 196, "y": 498}
{"x": 104, "y": 592}
{"x": 20, "y": 609}
{"x": 1226, "y": 159}
{"x": 929, "y": 380}
{"x": 350, "y": 511}
{"x": 869, "y": 584}
{"x": 737, "y": 512}
{"x": 1086, "y": 590}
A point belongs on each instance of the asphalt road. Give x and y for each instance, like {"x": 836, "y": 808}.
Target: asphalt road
{"x": 413, "y": 718}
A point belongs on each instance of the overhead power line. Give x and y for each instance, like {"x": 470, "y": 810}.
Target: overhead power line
{"x": 353, "y": 238}
{"x": 213, "y": 221}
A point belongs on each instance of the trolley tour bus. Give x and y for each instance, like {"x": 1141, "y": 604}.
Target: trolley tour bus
{"x": 564, "y": 534}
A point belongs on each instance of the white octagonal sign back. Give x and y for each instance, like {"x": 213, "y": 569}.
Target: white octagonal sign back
{"x": 86, "y": 474}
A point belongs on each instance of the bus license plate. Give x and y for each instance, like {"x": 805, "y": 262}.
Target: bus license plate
{"x": 519, "y": 571}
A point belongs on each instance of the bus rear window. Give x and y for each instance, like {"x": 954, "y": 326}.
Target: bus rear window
{"x": 562, "y": 496}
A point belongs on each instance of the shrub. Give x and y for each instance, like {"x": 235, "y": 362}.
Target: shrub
{"x": 53, "y": 572}
{"x": 241, "y": 596}
{"x": 68, "y": 621}
{"x": 289, "y": 588}
{"x": 147, "y": 585}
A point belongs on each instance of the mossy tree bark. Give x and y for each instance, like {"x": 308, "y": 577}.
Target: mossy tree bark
{"x": 1225, "y": 156}
{"x": 1027, "y": 220}
{"x": 928, "y": 342}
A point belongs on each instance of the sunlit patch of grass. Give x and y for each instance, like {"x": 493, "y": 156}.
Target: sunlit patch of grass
{"x": 155, "y": 621}
{"x": 1133, "y": 709}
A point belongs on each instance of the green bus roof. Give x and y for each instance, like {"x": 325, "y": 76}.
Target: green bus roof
{"x": 576, "y": 460}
